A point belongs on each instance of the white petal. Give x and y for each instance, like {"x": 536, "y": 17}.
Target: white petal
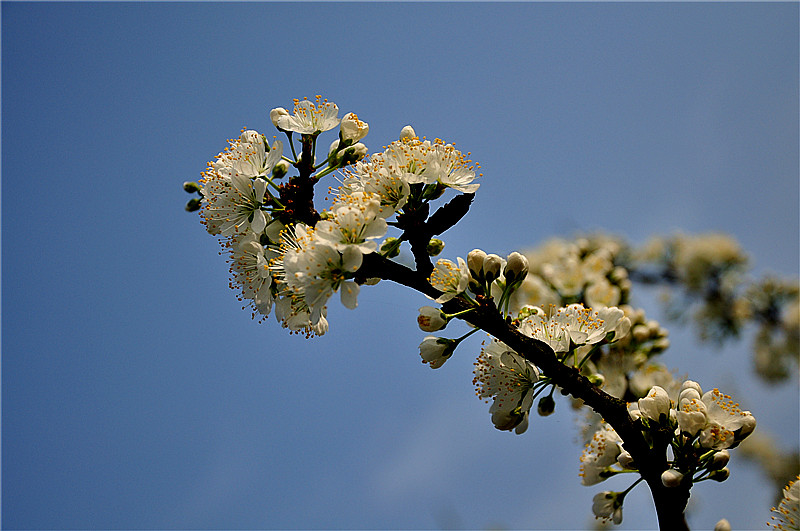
{"x": 350, "y": 294}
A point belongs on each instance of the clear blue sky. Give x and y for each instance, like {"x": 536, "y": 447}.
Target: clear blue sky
{"x": 137, "y": 394}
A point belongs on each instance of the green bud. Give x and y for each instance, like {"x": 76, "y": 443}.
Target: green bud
{"x": 546, "y": 406}
{"x": 193, "y": 204}
{"x": 280, "y": 169}
{"x": 191, "y": 187}
{"x": 390, "y": 247}
{"x": 435, "y": 247}
{"x": 597, "y": 379}
{"x": 720, "y": 475}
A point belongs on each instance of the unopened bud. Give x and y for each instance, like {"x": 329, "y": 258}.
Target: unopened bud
{"x": 193, "y": 204}
{"x": 431, "y": 319}
{"x": 596, "y": 379}
{"x": 351, "y": 129}
{"x": 625, "y": 459}
{"x": 275, "y": 114}
{"x": 546, "y": 406}
{"x": 719, "y": 460}
{"x": 191, "y": 187}
{"x": 720, "y": 475}
{"x": 435, "y": 246}
{"x": 475, "y": 260}
{"x": 280, "y": 169}
{"x": 390, "y": 247}
{"x": 671, "y": 478}
{"x": 407, "y": 133}
{"x": 354, "y": 153}
{"x": 516, "y": 268}
{"x": 491, "y": 267}
{"x": 722, "y": 525}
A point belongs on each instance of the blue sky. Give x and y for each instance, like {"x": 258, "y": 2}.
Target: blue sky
{"x": 137, "y": 394}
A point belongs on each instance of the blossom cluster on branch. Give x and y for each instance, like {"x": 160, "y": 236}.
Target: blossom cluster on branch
{"x": 557, "y": 319}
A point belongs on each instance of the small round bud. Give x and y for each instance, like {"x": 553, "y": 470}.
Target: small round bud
{"x": 193, "y": 205}
{"x": 281, "y": 169}
{"x": 491, "y": 267}
{"x": 671, "y": 478}
{"x": 625, "y": 459}
{"x": 191, "y": 187}
{"x": 435, "y": 247}
{"x": 719, "y": 460}
{"x": 407, "y": 133}
{"x": 475, "y": 260}
{"x": 546, "y": 406}
{"x": 431, "y": 319}
{"x": 516, "y": 268}
{"x": 720, "y": 475}
{"x": 354, "y": 153}
{"x": 722, "y": 525}
{"x": 275, "y": 114}
{"x": 390, "y": 247}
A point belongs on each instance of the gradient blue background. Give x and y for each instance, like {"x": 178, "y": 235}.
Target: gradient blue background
{"x": 137, "y": 394}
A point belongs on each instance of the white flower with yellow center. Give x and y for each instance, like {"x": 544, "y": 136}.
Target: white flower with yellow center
{"x": 371, "y": 177}
{"x": 234, "y": 186}
{"x": 309, "y": 118}
{"x": 787, "y": 514}
{"x": 601, "y": 452}
{"x": 449, "y": 278}
{"x": 250, "y": 272}
{"x": 353, "y": 221}
{"x": 312, "y": 269}
{"x": 508, "y": 378}
{"x": 714, "y": 417}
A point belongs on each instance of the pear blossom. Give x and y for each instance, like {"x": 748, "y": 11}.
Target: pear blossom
{"x": 353, "y": 221}
{"x": 508, "y": 378}
{"x": 607, "y": 506}
{"x": 234, "y": 186}
{"x": 351, "y": 129}
{"x": 308, "y": 118}
{"x": 313, "y": 270}
{"x": 601, "y": 452}
{"x": 250, "y": 272}
{"x": 367, "y": 176}
{"x": 714, "y": 417}
{"x": 787, "y": 514}
{"x": 449, "y": 278}
{"x": 436, "y": 350}
{"x": 431, "y": 319}
{"x": 656, "y": 405}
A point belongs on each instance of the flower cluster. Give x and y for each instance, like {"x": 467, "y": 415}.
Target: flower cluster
{"x": 282, "y": 252}
{"x": 701, "y": 429}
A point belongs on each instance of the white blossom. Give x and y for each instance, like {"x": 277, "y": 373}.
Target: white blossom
{"x": 655, "y": 405}
{"x": 353, "y": 221}
{"x": 309, "y": 118}
{"x": 436, "y": 350}
{"x": 607, "y": 506}
{"x": 508, "y": 378}
{"x": 601, "y": 452}
{"x": 431, "y": 319}
{"x": 449, "y": 278}
{"x": 787, "y": 514}
{"x": 351, "y": 129}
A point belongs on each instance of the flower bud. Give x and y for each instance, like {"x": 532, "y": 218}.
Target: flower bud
{"x": 722, "y": 525}
{"x": 656, "y": 405}
{"x": 671, "y": 478}
{"x": 546, "y": 406}
{"x": 719, "y": 460}
{"x": 720, "y": 475}
{"x": 431, "y": 319}
{"x": 351, "y": 129}
{"x": 333, "y": 153}
{"x": 276, "y": 113}
{"x": 475, "y": 260}
{"x": 491, "y": 267}
{"x": 596, "y": 379}
{"x": 281, "y": 169}
{"x": 407, "y": 133}
{"x": 516, "y": 268}
{"x": 436, "y": 350}
{"x": 191, "y": 187}
{"x": 435, "y": 247}
{"x": 625, "y": 459}
{"x": 355, "y": 153}
{"x": 193, "y": 204}
{"x": 390, "y": 247}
